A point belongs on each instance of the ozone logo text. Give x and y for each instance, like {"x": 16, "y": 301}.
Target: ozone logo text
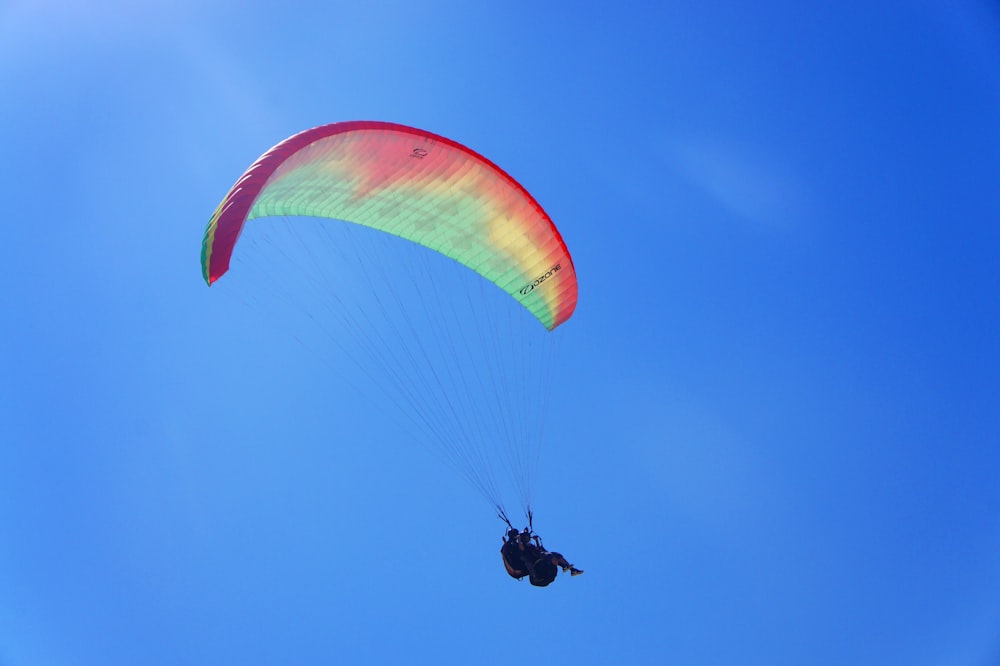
{"x": 528, "y": 288}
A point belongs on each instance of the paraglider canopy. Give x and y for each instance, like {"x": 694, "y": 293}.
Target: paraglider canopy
{"x": 412, "y": 184}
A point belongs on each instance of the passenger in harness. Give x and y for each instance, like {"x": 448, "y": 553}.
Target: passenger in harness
{"x": 523, "y": 555}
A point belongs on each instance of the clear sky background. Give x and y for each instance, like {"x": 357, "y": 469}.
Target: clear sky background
{"x": 776, "y": 434}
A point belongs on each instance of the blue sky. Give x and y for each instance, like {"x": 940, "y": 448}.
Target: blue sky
{"x": 774, "y": 437}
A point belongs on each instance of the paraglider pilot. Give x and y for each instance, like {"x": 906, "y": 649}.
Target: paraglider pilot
{"x": 523, "y": 555}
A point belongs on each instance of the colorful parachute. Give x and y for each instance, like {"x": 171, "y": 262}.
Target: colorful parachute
{"x": 412, "y": 184}
{"x": 342, "y": 259}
